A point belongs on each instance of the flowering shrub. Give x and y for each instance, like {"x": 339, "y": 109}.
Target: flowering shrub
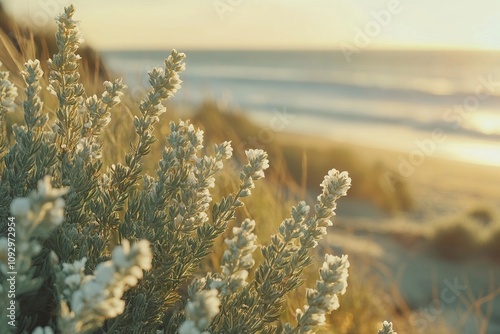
{"x": 58, "y": 241}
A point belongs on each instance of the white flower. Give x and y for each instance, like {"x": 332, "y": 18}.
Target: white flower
{"x": 73, "y": 281}
{"x": 237, "y": 258}
{"x": 105, "y": 272}
{"x": 189, "y": 327}
{"x": 200, "y": 311}
{"x": 76, "y": 267}
{"x": 99, "y": 297}
{"x": 336, "y": 183}
{"x": 8, "y": 93}
{"x": 224, "y": 150}
{"x": 114, "y": 92}
{"x": 144, "y": 258}
{"x": 324, "y": 298}
{"x": 199, "y": 137}
{"x": 87, "y": 148}
{"x": 386, "y": 328}
{"x": 258, "y": 159}
{"x": 20, "y": 206}
{"x": 254, "y": 170}
{"x": 33, "y": 72}
{"x": 56, "y": 214}
{"x": 120, "y": 254}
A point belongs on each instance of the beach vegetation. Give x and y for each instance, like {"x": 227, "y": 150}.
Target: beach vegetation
{"x": 470, "y": 234}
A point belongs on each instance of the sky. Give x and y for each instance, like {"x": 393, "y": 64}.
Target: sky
{"x": 276, "y": 24}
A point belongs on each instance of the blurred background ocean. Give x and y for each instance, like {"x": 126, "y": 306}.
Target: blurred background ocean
{"x": 387, "y": 99}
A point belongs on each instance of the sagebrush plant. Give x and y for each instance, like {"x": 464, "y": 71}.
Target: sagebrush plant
{"x": 119, "y": 251}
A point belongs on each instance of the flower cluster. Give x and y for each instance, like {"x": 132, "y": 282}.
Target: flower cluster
{"x": 194, "y": 173}
{"x": 254, "y": 170}
{"x": 334, "y": 185}
{"x": 386, "y": 328}
{"x": 36, "y": 217}
{"x": 324, "y": 298}
{"x": 64, "y": 79}
{"x": 8, "y": 93}
{"x": 88, "y": 150}
{"x": 200, "y": 311}
{"x": 44, "y": 206}
{"x": 223, "y": 151}
{"x": 237, "y": 259}
{"x": 165, "y": 83}
{"x": 97, "y": 114}
{"x": 89, "y": 300}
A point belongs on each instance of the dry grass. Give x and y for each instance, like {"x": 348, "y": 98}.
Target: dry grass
{"x": 301, "y": 162}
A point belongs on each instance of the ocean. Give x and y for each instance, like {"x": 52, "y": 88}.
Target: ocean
{"x": 421, "y": 103}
